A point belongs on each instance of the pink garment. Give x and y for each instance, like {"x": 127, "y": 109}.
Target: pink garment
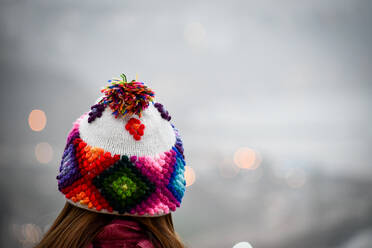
{"x": 123, "y": 234}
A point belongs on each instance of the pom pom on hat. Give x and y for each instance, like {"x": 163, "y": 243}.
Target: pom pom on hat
{"x": 127, "y": 98}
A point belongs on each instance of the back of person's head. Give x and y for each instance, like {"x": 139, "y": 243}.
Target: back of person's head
{"x": 123, "y": 161}
{"x": 76, "y": 227}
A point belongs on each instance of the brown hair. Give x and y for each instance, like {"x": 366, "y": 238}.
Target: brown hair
{"x": 76, "y": 227}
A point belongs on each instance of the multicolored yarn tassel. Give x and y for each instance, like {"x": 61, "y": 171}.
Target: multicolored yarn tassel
{"x": 127, "y": 98}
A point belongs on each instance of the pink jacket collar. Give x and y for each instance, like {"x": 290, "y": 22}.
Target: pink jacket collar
{"x": 121, "y": 233}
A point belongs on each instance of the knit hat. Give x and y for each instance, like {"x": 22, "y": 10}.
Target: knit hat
{"x": 124, "y": 157}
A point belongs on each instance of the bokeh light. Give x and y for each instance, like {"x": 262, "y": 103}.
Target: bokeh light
{"x": 296, "y": 178}
{"x": 31, "y": 233}
{"x": 44, "y": 152}
{"x": 27, "y": 234}
{"x": 243, "y": 245}
{"x": 37, "y": 120}
{"x": 195, "y": 34}
{"x": 189, "y": 175}
{"x": 247, "y": 158}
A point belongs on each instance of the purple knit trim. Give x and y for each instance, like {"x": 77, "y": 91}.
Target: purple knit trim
{"x": 164, "y": 113}
{"x": 96, "y": 111}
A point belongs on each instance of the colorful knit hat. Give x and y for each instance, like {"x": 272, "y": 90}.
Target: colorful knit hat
{"x": 124, "y": 157}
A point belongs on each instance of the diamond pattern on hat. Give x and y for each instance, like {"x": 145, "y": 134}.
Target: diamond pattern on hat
{"x": 123, "y": 186}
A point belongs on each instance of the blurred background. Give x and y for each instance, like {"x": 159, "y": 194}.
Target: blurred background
{"x": 272, "y": 98}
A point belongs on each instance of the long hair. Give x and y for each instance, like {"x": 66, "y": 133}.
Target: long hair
{"x": 75, "y": 227}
